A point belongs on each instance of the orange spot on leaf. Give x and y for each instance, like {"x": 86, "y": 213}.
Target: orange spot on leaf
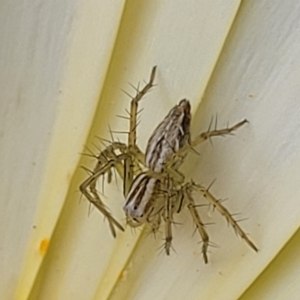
{"x": 44, "y": 246}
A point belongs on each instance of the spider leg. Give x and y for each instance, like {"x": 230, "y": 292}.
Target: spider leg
{"x": 203, "y": 137}
{"x": 121, "y": 167}
{"x": 138, "y": 154}
{"x": 199, "y": 224}
{"x": 155, "y": 222}
{"x": 110, "y": 153}
{"x": 88, "y": 189}
{"x": 134, "y": 108}
{"x": 224, "y": 212}
{"x": 167, "y": 216}
{"x": 128, "y": 163}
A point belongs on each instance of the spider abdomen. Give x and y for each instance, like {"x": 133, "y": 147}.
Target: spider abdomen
{"x": 169, "y": 136}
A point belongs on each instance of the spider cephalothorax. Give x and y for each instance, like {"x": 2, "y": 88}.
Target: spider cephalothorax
{"x": 154, "y": 188}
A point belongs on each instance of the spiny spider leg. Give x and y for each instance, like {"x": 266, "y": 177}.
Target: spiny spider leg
{"x": 109, "y": 153}
{"x": 134, "y": 108}
{"x": 88, "y": 189}
{"x": 203, "y": 137}
{"x": 198, "y": 223}
{"x": 138, "y": 154}
{"x": 224, "y": 212}
{"x": 155, "y": 222}
{"x": 128, "y": 163}
{"x": 167, "y": 216}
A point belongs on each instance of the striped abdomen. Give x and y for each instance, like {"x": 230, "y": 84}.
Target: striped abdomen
{"x": 169, "y": 136}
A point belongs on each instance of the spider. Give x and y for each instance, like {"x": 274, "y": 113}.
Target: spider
{"x": 154, "y": 188}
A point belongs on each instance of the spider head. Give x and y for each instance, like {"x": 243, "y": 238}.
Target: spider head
{"x": 140, "y": 201}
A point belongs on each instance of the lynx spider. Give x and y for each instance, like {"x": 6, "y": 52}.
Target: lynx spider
{"x": 153, "y": 186}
